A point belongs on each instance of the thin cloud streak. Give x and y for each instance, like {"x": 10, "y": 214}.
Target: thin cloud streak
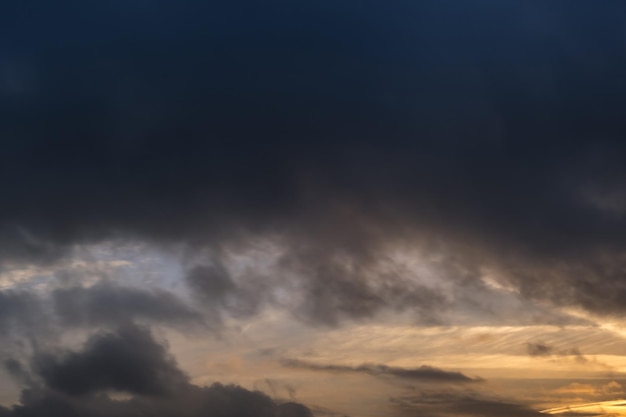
{"x": 422, "y": 373}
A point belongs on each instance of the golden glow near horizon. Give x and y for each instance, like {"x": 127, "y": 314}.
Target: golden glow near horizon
{"x": 496, "y": 353}
{"x": 581, "y": 370}
{"x": 613, "y": 408}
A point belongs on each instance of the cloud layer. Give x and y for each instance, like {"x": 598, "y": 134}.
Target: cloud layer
{"x": 486, "y": 133}
{"x": 130, "y": 361}
{"x": 338, "y": 160}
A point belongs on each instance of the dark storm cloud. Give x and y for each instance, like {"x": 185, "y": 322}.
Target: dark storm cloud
{"x": 214, "y": 401}
{"x": 129, "y": 360}
{"x": 422, "y": 373}
{"x": 489, "y": 131}
{"x": 110, "y": 304}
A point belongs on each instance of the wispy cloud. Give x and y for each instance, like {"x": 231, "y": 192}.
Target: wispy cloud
{"x": 422, "y": 373}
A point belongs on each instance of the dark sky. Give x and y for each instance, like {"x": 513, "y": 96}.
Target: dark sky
{"x": 489, "y": 134}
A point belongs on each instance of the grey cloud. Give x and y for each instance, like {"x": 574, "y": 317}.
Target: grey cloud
{"x": 349, "y": 282}
{"x": 18, "y": 371}
{"x": 336, "y": 129}
{"x": 338, "y": 276}
{"x": 111, "y": 304}
{"x": 18, "y": 308}
{"x": 324, "y": 286}
{"x": 212, "y": 282}
{"x": 423, "y": 373}
{"x": 545, "y": 350}
{"x": 293, "y": 410}
{"x": 35, "y": 322}
{"x": 213, "y": 401}
{"x": 129, "y": 360}
{"x": 539, "y": 349}
{"x": 24, "y": 322}
{"x": 216, "y": 291}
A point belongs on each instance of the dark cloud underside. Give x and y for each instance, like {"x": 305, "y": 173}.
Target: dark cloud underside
{"x": 492, "y": 130}
{"x": 129, "y": 360}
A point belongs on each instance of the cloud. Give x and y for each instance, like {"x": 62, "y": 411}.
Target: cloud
{"x": 130, "y": 361}
{"x": 24, "y": 322}
{"x": 323, "y": 288}
{"x": 110, "y": 304}
{"x": 541, "y": 349}
{"x": 214, "y": 401}
{"x": 338, "y": 136}
{"x": 17, "y": 309}
{"x": 423, "y": 373}
{"x": 353, "y": 138}
{"x": 34, "y": 321}
{"x": 127, "y": 361}
{"x": 333, "y": 131}
{"x": 294, "y": 410}
{"x": 216, "y": 291}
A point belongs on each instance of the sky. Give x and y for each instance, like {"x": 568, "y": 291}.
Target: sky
{"x": 298, "y": 208}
